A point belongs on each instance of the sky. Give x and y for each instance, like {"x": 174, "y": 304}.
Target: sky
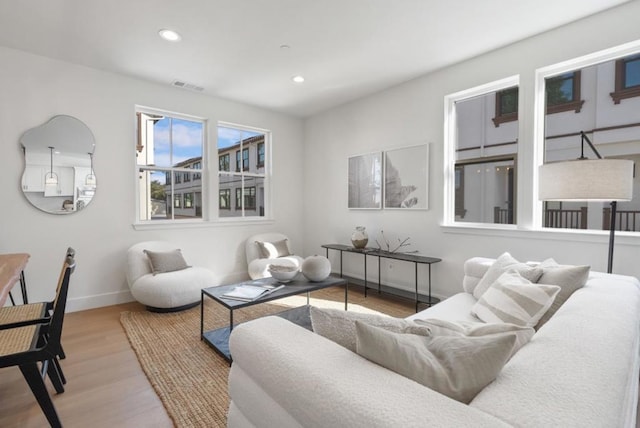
{"x": 187, "y": 140}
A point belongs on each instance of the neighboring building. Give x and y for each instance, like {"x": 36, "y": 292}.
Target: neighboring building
{"x": 246, "y": 157}
{"x": 602, "y": 100}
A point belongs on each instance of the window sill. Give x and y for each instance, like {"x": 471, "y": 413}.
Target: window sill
{"x": 576, "y": 106}
{"x": 565, "y": 235}
{"x": 188, "y": 224}
{"x": 625, "y": 93}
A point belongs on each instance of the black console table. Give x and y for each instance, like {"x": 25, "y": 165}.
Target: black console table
{"x": 412, "y": 258}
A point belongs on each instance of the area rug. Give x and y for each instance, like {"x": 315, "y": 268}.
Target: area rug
{"x": 189, "y": 376}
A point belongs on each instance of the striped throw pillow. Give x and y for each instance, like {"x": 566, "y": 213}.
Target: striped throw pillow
{"x": 516, "y": 300}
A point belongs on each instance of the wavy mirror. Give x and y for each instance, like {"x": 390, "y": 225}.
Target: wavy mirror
{"x": 58, "y": 176}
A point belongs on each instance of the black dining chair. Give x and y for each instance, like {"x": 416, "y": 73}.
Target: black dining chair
{"x": 32, "y": 313}
{"x": 30, "y": 345}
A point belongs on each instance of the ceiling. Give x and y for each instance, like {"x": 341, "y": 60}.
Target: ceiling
{"x": 345, "y": 49}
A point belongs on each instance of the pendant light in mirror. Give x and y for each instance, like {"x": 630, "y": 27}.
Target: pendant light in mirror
{"x": 51, "y": 178}
{"x": 90, "y": 179}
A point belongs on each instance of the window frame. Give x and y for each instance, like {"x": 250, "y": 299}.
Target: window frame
{"x": 260, "y": 155}
{"x": 575, "y": 103}
{"x": 450, "y": 145}
{"x": 622, "y": 91}
{"x": 175, "y": 173}
{"x": 541, "y": 74}
{"x": 264, "y": 213}
{"x": 500, "y": 116}
{"x": 226, "y": 194}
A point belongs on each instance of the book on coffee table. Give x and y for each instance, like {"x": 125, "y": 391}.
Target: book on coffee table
{"x": 248, "y": 293}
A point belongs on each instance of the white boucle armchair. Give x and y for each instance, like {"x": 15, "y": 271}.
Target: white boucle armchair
{"x": 257, "y": 264}
{"x": 168, "y": 291}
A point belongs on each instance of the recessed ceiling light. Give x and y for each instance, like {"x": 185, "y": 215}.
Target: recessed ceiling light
{"x": 298, "y": 79}
{"x": 170, "y": 35}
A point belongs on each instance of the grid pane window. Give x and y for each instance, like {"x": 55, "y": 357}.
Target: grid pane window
{"x": 169, "y": 155}
{"x": 484, "y": 169}
{"x": 247, "y": 181}
{"x": 612, "y": 130}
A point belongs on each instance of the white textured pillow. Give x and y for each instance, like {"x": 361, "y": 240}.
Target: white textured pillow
{"x": 502, "y": 264}
{"x": 339, "y": 326}
{"x": 568, "y": 278}
{"x": 273, "y": 250}
{"x": 479, "y": 329}
{"x": 516, "y": 300}
{"x": 456, "y": 366}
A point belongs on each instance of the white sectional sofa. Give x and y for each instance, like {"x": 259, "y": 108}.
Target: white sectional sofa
{"x": 580, "y": 369}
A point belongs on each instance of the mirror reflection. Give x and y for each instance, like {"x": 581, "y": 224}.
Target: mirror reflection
{"x": 58, "y": 177}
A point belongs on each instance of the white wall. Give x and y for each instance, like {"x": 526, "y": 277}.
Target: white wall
{"x": 33, "y": 90}
{"x": 414, "y": 112}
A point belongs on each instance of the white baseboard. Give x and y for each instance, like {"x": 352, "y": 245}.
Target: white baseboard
{"x": 98, "y": 300}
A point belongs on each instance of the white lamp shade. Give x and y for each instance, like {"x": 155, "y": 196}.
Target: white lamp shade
{"x": 586, "y": 180}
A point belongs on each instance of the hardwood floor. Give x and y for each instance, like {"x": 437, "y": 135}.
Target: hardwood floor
{"x": 106, "y": 386}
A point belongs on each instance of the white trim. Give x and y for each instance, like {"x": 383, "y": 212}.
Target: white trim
{"x": 450, "y": 138}
{"x": 188, "y": 224}
{"x": 539, "y": 110}
{"x": 549, "y": 234}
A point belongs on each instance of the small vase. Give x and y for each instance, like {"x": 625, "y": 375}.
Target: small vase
{"x": 359, "y": 237}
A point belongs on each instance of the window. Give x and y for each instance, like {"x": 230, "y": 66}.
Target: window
{"x": 249, "y": 198}
{"x": 224, "y": 163}
{"x": 188, "y": 200}
{"x": 260, "y": 155}
{"x": 481, "y": 159}
{"x": 613, "y": 129}
{"x": 225, "y": 199}
{"x": 627, "y": 78}
{"x": 248, "y": 181}
{"x": 506, "y": 106}
{"x": 245, "y": 159}
{"x": 563, "y": 93}
{"x": 169, "y": 154}
{"x": 197, "y": 175}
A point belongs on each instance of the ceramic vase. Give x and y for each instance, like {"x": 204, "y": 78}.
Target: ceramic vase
{"x": 316, "y": 268}
{"x": 359, "y": 237}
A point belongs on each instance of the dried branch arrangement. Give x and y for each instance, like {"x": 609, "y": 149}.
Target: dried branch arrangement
{"x": 401, "y": 244}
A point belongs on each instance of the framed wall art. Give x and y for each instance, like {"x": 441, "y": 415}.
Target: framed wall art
{"x": 365, "y": 181}
{"x": 406, "y": 178}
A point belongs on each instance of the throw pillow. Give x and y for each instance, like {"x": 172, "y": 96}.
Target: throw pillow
{"x": 339, "y": 326}
{"x": 569, "y": 278}
{"x": 273, "y": 250}
{"x": 456, "y": 366}
{"x": 516, "y": 300}
{"x": 166, "y": 261}
{"x": 479, "y": 329}
{"x": 502, "y": 264}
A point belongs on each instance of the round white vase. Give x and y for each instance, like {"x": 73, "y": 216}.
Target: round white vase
{"x": 316, "y": 268}
{"x": 359, "y": 237}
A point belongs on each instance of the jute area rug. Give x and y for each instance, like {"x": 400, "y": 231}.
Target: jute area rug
{"x": 189, "y": 376}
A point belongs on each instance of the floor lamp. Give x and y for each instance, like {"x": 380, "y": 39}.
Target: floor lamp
{"x": 599, "y": 180}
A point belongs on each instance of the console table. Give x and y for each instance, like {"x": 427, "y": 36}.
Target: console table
{"x": 411, "y": 258}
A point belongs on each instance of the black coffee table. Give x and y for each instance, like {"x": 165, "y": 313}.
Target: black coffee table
{"x": 218, "y": 339}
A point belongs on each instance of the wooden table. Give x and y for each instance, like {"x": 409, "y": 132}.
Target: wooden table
{"x": 11, "y": 271}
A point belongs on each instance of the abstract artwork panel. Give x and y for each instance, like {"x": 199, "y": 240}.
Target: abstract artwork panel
{"x": 365, "y": 181}
{"x": 406, "y": 178}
